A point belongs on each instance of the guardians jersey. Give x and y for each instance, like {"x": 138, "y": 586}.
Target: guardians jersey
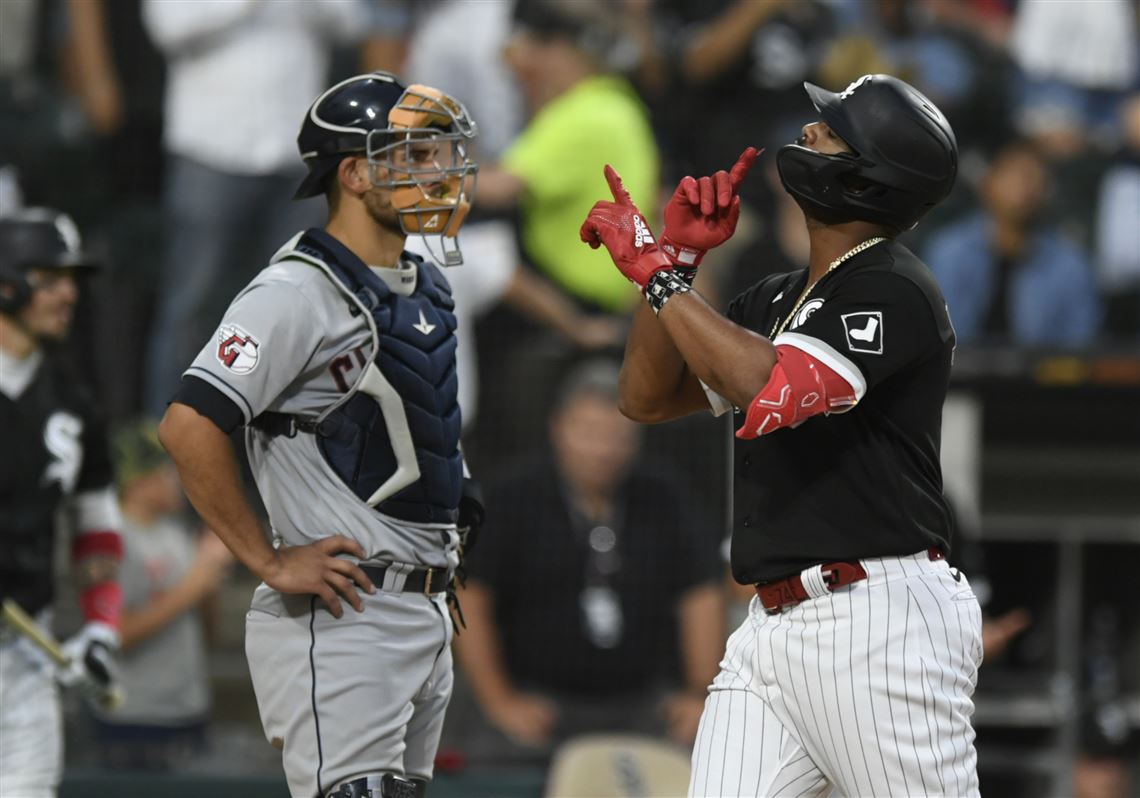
{"x": 296, "y": 344}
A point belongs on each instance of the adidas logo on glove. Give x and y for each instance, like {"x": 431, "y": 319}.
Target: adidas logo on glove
{"x": 641, "y": 234}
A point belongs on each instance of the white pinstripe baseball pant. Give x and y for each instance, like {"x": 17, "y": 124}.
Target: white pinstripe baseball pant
{"x": 866, "y": 691}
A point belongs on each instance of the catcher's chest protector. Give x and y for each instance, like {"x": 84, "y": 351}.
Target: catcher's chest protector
{"x": 394, "y": 439}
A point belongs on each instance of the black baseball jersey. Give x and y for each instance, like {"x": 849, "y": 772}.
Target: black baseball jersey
{"x": 867, "y": 482}
{"x": 54, "y": 447}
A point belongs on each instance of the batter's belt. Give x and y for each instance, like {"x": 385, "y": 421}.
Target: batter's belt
{"x": 819, "y": 580}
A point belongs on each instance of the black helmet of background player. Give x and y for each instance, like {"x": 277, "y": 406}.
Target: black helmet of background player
{"x": 396, "y": 126}
{"x": 33, "y": 239}
{"x": 904, "y": 162}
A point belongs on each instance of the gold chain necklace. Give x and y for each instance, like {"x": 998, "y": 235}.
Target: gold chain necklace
{"x": 778, "y": 327}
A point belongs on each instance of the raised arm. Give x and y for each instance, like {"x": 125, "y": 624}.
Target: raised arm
{"x": 665, "y": 363}
{"x": 656, "y": 384}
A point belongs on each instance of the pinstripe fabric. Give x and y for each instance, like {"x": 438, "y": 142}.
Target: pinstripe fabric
{"x": 864, "y": 692}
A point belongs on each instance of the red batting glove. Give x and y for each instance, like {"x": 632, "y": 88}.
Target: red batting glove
{"x": 620, "y": 226}
{"x": 702, "y": 214}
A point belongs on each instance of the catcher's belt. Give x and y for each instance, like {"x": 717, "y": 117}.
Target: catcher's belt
{"x": 399, "y": 578}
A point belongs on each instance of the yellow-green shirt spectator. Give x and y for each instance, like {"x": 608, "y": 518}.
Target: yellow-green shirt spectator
{"x": 560, "y": 156}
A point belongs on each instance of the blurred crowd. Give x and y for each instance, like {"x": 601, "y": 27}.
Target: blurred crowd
{"x": 166, "y": 129}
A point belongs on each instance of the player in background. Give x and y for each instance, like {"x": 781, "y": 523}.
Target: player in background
{"x": 55, "y": 458}
{"x": 339, "y": 361}
{"x": 855, "y": 669}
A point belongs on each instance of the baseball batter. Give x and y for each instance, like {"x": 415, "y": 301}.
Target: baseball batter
{"x": 339, "y": 361}
{"x": 854, "y": 672}
{"x": 55, "y": 458}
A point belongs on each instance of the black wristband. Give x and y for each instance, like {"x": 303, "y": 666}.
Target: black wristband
{"x": 661, "y": 288}
{"x": 686, "y": 273}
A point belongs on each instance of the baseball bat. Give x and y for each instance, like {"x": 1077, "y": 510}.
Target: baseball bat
{"x": 109, "y": 696}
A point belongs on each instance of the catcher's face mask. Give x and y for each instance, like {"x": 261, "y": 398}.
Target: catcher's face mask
{"x": 422, "y": 158}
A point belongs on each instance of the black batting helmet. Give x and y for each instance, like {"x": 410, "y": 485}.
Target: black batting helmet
{"x": 35, "y": 238}
{"x": 904, "y": 162}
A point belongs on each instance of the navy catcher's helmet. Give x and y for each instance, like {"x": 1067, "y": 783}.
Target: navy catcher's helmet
{"x": 338, "y": 123}
{"x": 35, "y": 238}
{"x": 905, "y": 159}
{"x": 415, "y": 138}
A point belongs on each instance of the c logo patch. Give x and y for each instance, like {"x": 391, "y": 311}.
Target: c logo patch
{"x": 237, "y": 349}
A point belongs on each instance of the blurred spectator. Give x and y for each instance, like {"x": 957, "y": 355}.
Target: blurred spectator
{"x": 594, "y": 600}
{"x": 240, "y": 74}
{"x": 11, "y": 197}
{"x": 953, "y": 55}
{"x": 737, "y": 68}
{"x": 118, "y": 77}
{"x": 168, "y": 580}
{"x": 386, "y": 48}
{"x": 1077, "y": 59}
{"x": 567, "y": 55}
{"x": 43, "y": 133}
{"x": 458, "y": 46}
{"x": 1103, "y": 766}
{"x": 1006, "y": 276}
{"x": 1118, "y": 230}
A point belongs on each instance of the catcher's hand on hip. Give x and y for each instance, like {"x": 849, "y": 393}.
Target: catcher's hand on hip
{"x": 620, "y": 227}
{"x": 314, "y": 568}
{"x": 702, "y": 213}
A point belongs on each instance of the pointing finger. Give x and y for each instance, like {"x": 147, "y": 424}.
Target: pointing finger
{"x": 621, "y": 196}
{"x": 708, "y": 200}
{"x": 742, "y": 165}
{"x": 723, "y": 185}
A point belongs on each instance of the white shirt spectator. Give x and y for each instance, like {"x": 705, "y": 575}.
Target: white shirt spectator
{"x": 1088, "y": 44}
{"x": 242, "y": 73}
{"x": 457, "y": 46}
{"x": 1118, "y": 232}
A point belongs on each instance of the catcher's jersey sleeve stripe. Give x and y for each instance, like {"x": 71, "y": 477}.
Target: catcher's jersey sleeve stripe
{"x": 97, "y": 509}
{"x": 204, "y": 394}
{"x": 828, "y": 356}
